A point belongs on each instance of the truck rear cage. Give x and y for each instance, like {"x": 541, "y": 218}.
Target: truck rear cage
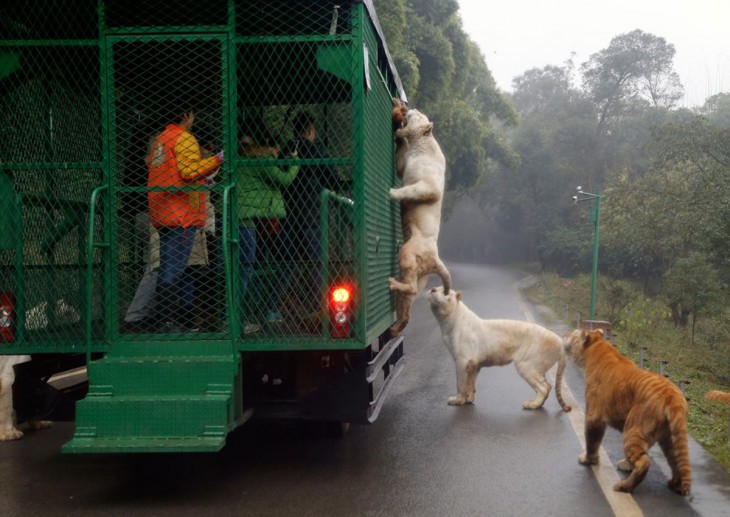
{"x": 87, "y": 88}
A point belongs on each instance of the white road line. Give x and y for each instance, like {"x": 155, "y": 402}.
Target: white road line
{"x": 622, "y": 504}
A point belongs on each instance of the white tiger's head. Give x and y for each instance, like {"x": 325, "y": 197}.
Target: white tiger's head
{"x": 443, "y": 305}
{"x": 417, "y": 126}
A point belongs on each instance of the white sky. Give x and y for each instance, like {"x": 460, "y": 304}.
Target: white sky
{"x": 521, "y": 34}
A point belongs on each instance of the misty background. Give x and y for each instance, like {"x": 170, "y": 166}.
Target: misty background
{"x": 613, "y": 124}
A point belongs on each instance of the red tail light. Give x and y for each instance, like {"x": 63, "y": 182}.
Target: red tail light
{"x": 7, "y": 317}
{"x": 340, "y": 308}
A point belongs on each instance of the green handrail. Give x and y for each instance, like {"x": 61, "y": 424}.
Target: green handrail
{"x": 231, "y": 309}
{"x": 90, "y": 267}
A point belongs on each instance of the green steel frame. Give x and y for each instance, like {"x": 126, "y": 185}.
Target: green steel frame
{"x": 77, "y": 78}
{"x": 374, "y": 219}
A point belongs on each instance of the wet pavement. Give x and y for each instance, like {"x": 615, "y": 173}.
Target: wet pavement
{"x": 421, "y": 457}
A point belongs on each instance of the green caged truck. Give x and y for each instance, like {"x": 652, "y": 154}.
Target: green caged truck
{"x": 277, "y": 305}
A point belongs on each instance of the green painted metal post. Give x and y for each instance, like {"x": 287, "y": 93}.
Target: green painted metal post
{"x": 596, "y": 219}
{"x": 594, "y": 276}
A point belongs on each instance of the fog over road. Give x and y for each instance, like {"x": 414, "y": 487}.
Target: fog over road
{"x": 422, "y": 457}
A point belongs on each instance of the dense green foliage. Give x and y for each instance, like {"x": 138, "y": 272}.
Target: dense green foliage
{"x": 611, "y": 125}
{"x": 663, "y": 173}
{"x": 445, "y": 76}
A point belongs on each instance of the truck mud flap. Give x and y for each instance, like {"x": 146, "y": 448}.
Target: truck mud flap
{"x": 357, "y": 396}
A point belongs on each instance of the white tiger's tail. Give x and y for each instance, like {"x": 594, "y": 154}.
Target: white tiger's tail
{"x": 559, "y": 381}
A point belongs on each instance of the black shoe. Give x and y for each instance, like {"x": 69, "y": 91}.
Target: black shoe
{"x": 136, "y": 327}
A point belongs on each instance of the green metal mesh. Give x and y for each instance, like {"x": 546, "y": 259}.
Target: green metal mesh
{"x": 86, "y": 90}
{"x": 50, "y": 154}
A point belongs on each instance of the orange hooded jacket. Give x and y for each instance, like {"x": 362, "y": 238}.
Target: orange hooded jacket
{"x": 175, "y": 161}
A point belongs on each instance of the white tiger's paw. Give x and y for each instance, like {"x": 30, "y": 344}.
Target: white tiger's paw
{"x": 529, "y": 404}
{"x": 392, "y": 284}
{"x": 457, "y": 400}
{"x": 624, "y": 465}
{"x": 584, "y": 459}
{"x": 11, "y": 434}
{"x": 394, "y": 194}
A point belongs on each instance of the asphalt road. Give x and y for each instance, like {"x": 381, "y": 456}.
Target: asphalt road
{"x": 420, "y": 458}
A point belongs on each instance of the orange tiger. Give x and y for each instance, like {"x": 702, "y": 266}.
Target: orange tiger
{"x": 719, "y": 396}
{"x": 644, "y": 405}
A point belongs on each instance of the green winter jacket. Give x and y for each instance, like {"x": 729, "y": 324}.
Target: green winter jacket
{"x": 258, "y": 192}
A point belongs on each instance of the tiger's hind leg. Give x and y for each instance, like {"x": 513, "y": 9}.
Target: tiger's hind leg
{"x": 637, "y": 457}
{"x": 539, "y": 383}
{"x": 678, "y": 459}
{"x": 405, "y": 289}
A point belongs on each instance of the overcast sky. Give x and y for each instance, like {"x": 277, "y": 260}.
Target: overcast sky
{"x": 518, "y": 35}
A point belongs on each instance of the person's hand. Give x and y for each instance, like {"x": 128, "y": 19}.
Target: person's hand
{"x": 210, "y": 179}
{"x": 219, "y": 156}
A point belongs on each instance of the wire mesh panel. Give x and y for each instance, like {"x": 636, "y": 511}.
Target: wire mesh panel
{"x": 256, "y": 109}
{"x": 168, "y": 132}
{"x": 295, "y": 141}
{"x": 380, "y": 232}
{"x": 140, "y": 16}
{"x": 269, "y": 18}
{"x": 50, "y": 154}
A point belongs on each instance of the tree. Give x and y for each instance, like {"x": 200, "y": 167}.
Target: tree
{"x": 717, "y": 110}
{"x": 647, "y": 223}
{"x": 636, "y": 66}
{"x": 394, "y": 22}
{"x": 463, "y": 100}
{"x": 553, "y": 140}
{"x": 701, "y": 151}
{"x": 691, "y": 286}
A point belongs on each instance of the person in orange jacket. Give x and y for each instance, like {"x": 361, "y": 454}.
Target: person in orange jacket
{"x": 175, "y": 160}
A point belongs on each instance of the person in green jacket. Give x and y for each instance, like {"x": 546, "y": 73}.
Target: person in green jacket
{"x": 260, "y": 207}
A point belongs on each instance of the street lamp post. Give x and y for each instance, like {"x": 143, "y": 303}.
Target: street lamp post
{"x": 596, "y": 218}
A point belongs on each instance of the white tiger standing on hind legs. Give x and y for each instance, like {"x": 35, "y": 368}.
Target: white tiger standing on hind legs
{"x": 424, "y": 169}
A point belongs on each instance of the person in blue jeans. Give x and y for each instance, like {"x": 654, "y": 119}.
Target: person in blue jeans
{"x": 175, "y": 160}
{"x": 301, "y": 229}
{"x": 260, "y": 207}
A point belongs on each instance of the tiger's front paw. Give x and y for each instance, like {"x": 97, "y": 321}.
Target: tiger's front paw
{"x": 10, "y": 434}
{"x": 623, "y": 486}
{"x": 457, "y": 400}
{"x": 679, "y": 487}
{"x": 624, "y": 465}
{"x": 584, "y": 459}
{"x": 531, "y": 404}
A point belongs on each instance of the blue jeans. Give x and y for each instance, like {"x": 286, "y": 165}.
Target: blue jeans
{"x": 246, "y": 256}
{"x": 176, "y": 245}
